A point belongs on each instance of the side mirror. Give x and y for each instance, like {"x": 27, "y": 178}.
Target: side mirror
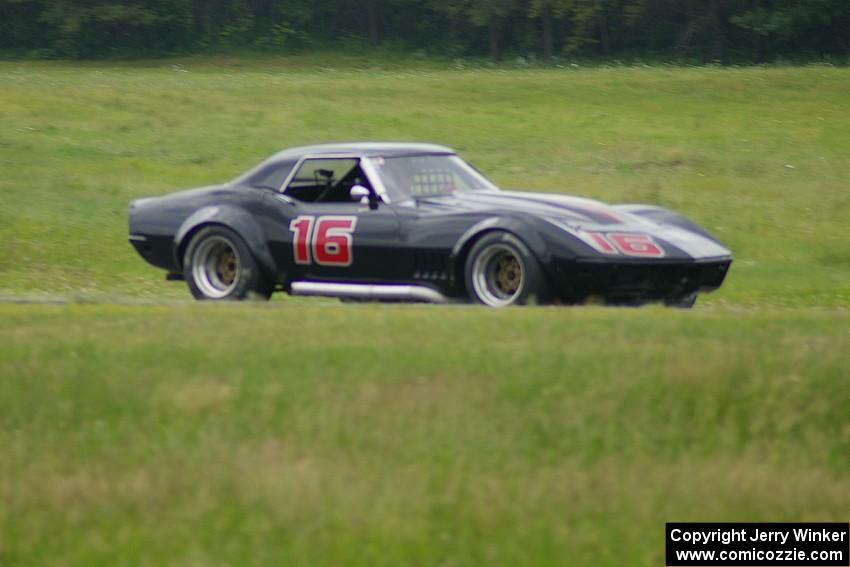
{"x": 364, "y": 196}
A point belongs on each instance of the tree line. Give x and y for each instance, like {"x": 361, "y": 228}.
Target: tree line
{"x": 726, "y": 31}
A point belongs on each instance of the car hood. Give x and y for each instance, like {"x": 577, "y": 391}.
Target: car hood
{"x": 574, "y": 215}
{"x": 576, "y": 211}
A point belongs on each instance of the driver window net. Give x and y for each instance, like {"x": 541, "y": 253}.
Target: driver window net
{"x": 432, "y": 182}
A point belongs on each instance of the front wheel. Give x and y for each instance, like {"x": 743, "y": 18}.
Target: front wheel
{"x": 219, "y": 265}
{"x": 500, "y": 271}
{"x": 682, "y": 301}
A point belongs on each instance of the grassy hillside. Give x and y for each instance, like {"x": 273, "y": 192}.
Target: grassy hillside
{"x": 138, "y": 428}
{"x": 386, "y": 435}
{"x": 759, "y": 156}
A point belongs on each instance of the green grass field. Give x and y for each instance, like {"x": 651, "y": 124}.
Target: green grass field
{"x": 139, "y": 428}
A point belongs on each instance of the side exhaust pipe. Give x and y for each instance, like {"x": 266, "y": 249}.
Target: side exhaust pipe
{"x": 369, "y": 291}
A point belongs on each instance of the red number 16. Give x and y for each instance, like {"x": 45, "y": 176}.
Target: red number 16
{"x": 628, "y": 243}
{"x": 325, "y": 240}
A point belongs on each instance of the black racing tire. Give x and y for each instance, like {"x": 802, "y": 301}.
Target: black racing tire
{"x": 218, "y": 265}
{"x": 682, "y": 301}
{"x": 500, "y": 270}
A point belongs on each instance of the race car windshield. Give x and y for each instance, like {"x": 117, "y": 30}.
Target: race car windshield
{"x": 423, "y": 176}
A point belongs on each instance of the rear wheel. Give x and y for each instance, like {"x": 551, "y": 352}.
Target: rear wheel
{"x": 501, "y": 271}
{"x": 219, "y": 265}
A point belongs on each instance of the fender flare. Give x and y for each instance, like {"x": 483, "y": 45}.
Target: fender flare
{"x": 512, "y": 225}
{"x": 236, "y": 220}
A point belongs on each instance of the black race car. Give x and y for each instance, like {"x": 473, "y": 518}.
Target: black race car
{"x": 415, "y": 222}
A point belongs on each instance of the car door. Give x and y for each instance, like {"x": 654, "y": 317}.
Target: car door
{"x": 320, "y": 233}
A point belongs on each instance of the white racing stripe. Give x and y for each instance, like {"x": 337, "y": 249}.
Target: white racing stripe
{"x": 694, "y": 245}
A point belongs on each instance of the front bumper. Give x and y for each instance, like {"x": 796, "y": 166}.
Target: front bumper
{"x": 636, "y": 282}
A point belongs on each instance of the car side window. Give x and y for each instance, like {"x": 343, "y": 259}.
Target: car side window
{"x": 326, "y": 180}
{"x": 271, "y": 177}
